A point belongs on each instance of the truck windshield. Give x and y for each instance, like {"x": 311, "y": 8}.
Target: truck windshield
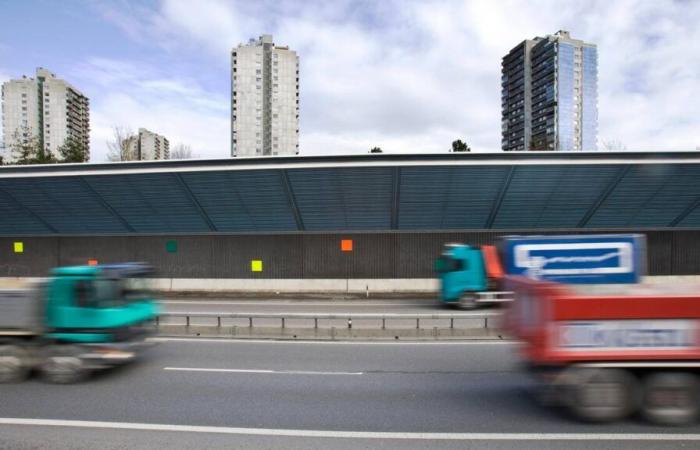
{"x": 111, "y": 292}
{"x": 446, "y": 264}
{"x": 135, "y": 289}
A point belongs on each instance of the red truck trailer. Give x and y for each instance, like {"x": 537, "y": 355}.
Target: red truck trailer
{"x": 609, "y": 355}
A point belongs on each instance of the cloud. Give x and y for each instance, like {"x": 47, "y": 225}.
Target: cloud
{"x": 417, "y": 74}
{"x": 136, "y": 96}
{"x": 4, "y": 76}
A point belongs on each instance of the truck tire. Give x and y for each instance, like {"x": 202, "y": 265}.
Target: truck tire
{"x": 467, "y": 301}
{"x": 62, "y": 365}
{"x": 671, "y": 398}
{"x": 14, "y": 365}
{"x": 602, "y": 395}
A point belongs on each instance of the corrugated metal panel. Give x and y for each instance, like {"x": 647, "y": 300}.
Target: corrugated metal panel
{"x": 576, "y": 190}
{"x": 40, "y": 254}
{"x": 192, "y": 258}
{"x": 352, "y": 198}
{"x": 16, "y": 220}
{"x": 681, "y": 189}
{"x": 632, "y": 195}
{"x": 373, "y": 255}
{"x": 527, "y": 196}
{"x": 150, "y": 203}
{"x": 106, "y": 250}
{"x": 281, "y": 256}
{"x": 692, "y": 220}
{"x": 297, "y": 256}
{"x": 343, "y": 199}
{"x": 323, "y": 258}
{"x": 422, "y": 197}
{"x": 660, "y": 253}
{"x": 243, "y": 201}
{"x": 65, "y": 204}
{"x": 416, "y": 252}
{"x": 685, "y": 253}
{"x": 448, "y": 197}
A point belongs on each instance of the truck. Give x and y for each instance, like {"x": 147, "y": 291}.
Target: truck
{"x": 604, "y": 357}
{"x": 471, "y": 276}
{"x": 80, "y": 319}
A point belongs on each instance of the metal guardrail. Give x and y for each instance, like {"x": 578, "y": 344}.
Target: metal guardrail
{"x": 347, "y": 318}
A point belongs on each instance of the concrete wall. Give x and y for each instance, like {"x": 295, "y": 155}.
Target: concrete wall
{"x": 293, "y": 256}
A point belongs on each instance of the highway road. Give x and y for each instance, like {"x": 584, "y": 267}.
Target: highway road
{"x": 291, "y": 395}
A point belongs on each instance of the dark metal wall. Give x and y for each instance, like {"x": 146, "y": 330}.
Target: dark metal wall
{"x": 295, "y": 255}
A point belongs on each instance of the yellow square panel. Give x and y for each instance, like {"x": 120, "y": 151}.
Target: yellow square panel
{"x": 256, "y": 265}
{"x": 19, "y": 247}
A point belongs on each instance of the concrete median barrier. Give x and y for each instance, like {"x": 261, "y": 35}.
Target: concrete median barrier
{"x": 332, "y": 327}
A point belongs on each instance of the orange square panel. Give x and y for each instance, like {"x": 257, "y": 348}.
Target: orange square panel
{"x": 92, "y": 262}
{"x": 346, "y": 245}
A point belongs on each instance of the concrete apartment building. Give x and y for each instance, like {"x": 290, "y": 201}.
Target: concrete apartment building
{"x": 264, "y": 99}
{"x": 147, "y": 145}
{"x": 46, "y": 108}
{"x": 549, "y": 96}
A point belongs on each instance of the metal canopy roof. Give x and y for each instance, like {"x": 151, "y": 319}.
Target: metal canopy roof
{"x": 629, "y": 190}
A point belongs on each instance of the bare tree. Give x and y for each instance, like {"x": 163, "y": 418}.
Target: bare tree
{"x": 181, "y": 151}
{"x": 613, "y": 145}
{"x": 118, "y": 146}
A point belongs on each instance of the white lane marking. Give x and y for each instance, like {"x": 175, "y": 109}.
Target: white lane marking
{"x": 276, "y": 372}
{"x": 295, "y": 304}
{"x": 359, "y": 434}
{"x": 272, "y": 341}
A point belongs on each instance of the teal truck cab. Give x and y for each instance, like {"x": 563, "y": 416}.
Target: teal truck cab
{"x": 470, "y": 276}
{"x": 80, "y": 319}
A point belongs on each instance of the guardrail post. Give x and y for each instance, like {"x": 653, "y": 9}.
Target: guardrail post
{"x": 218, "y": 321}
{"x": 383, "y": 323}
{"x": 452, "y": 322}
{"x": 157, "y": 321}
{"x": 250, "y": 322}
{"x": 349, "y": 323}
{"x": 315, "y": 323}
{"x": 417, "y": 323}
{"x": 282, "y": 322}
{"x": 486, "y": 322}
{"x": 187, "y": 318}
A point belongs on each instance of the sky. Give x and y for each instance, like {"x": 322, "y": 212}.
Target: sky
{"x": 407, "y": 76}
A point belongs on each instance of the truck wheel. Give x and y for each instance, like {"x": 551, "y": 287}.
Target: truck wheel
{"x": 14, "y": 365}
{"x": 63, "y": 366}
{"x": 468, "y": 301}
{"x": 602, "y": 395}
{"x": 671, "y": 398}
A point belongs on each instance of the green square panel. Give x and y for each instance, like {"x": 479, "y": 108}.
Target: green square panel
{"x": 171, "y": 246}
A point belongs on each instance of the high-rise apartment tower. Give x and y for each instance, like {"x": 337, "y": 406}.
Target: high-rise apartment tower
{"x": 44, "y": 108}
{"x": 264, "y": 99}
{"x": 549, "y": 95}
{"x": 147, "y": 145}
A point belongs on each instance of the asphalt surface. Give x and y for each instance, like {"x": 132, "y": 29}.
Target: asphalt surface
{"x": 317, "y": 390}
